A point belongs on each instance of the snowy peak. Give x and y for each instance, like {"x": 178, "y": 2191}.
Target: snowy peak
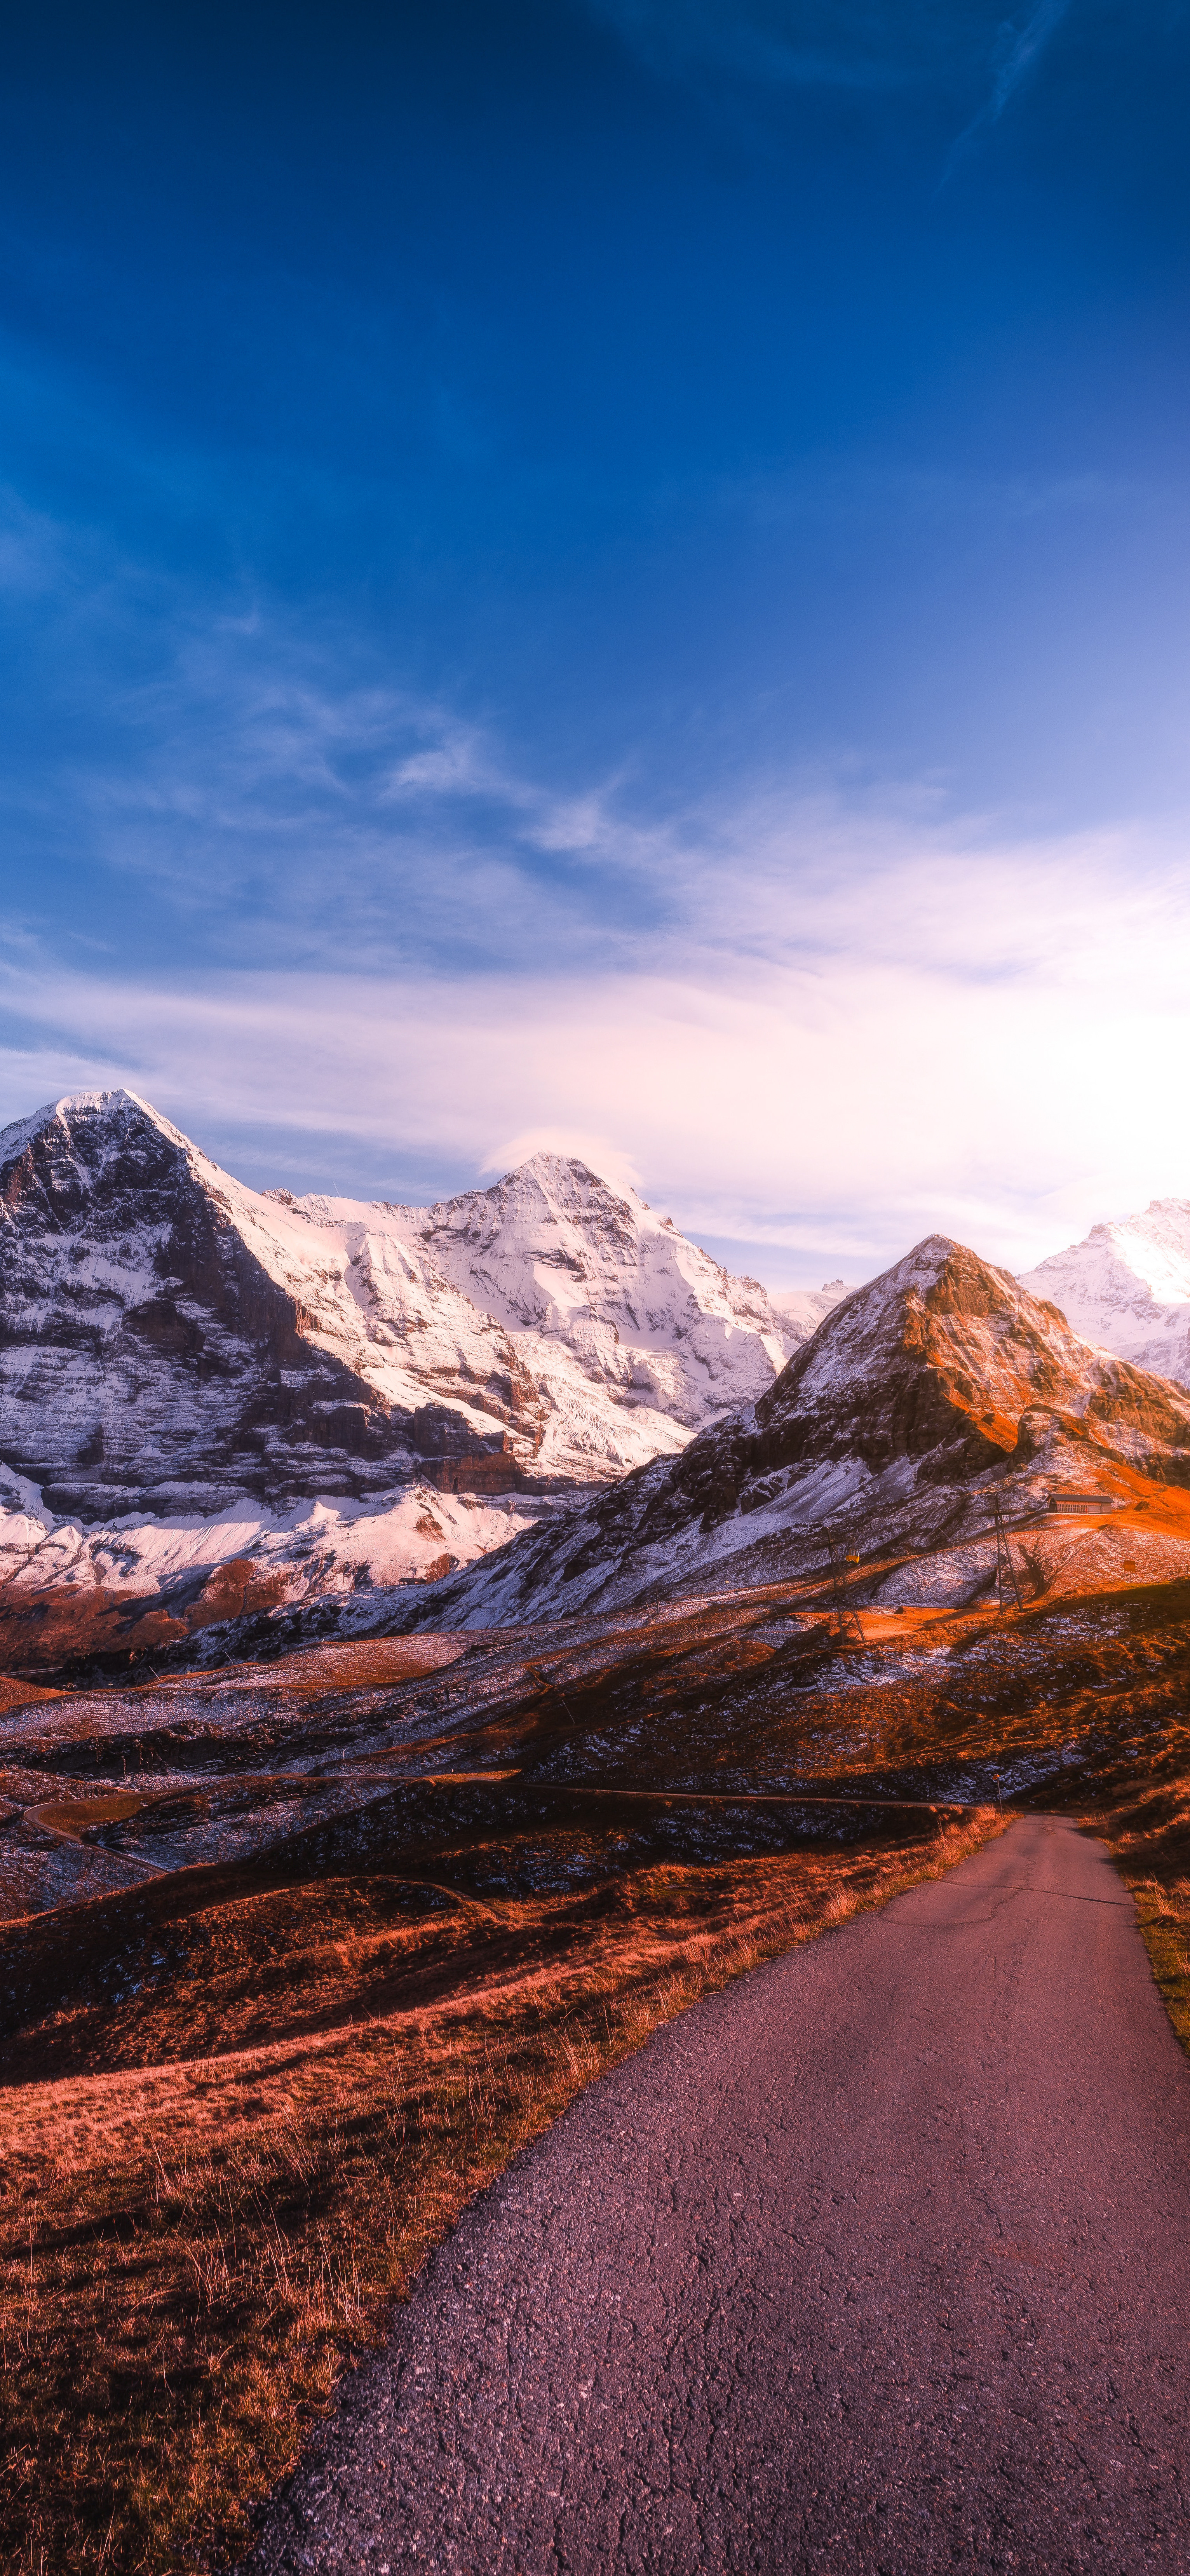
{"x": 172, "y": 1342}
{"x": 1155, "y": 1248}
{"x": 1126, "y": 1287}
{"x": 74, "y": 1110}
{"x": 65, "y": 1144}
{"x": 154, "y": 1353}
{"x": 548, "y": 1244}
{"x": 552, "y": 1246}
{"x": 632, "y": 1334}
{"x": 804, "y": 1308}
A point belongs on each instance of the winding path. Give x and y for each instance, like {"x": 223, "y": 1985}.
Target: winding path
{"x": 878, "y": 2260}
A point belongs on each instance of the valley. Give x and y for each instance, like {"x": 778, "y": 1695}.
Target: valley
{"x": 299, "y": 1953}
{"x": 464, "y": 1712}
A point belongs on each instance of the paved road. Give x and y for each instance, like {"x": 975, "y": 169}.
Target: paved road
{"x": 879, "y": 2260}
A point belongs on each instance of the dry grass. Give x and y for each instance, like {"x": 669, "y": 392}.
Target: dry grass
{"x": 192, "y": 2244}
{"x": 244, "y": 2099}
{"x": 1148, "y": 1835}
{"x": 1163, "y": 1912}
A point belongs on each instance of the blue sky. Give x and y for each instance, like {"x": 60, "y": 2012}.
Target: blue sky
{"x": 612, "y": 575}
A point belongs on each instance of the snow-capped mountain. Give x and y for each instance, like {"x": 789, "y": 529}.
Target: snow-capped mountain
{"x": 805, "y": 1308}
{"x": 631, "y": 1335}
{"x": 326, "y": 1391}
{"x": 919, "y": 1400}
{"x": 1127, "y": 1287}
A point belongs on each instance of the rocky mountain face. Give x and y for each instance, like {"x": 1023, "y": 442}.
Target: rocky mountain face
{"x": 921, "y": 1400}
{"x": 1126, "y": 1287}
{"x": 195, "y": 1375}
{"x": 153, "y": 1357}
{"x": 627, "y": 1336}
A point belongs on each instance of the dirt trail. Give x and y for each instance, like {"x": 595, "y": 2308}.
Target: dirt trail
{"x": 879, "y": 2260}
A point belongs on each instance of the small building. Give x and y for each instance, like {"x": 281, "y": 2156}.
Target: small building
{"x": 1063, "y": 1500}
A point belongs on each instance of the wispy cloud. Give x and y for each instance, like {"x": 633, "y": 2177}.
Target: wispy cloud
{"x": 989, "y": 1038}
{"x": 1018, "y": 50}
{"x": 244, "y": 780}
{"x": 261, "y": 788}
{"x": 1022, "y": 52}
{"x": 802, "y": 44}
{"x": 805, "y": 44}
{"x": 807, "y": 1010}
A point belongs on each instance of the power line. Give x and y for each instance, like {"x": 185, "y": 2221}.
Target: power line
{"x": 1006, "y": 1574}
{"x": 847, "y": 1619}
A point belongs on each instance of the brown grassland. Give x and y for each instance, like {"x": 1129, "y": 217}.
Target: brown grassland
{"x": 191, "y": 2247}
{"x": 243, "y": 2099}
{"x": 1148, "y": 1834}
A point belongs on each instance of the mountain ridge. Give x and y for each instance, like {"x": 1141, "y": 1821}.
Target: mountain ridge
{"x": 220, "y": 1405}
{"x": 195, "y": 1375}
{"x": 924, "y": 1399}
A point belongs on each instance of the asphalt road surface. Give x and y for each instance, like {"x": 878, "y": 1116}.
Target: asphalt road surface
{"x": 878, "y": 2260}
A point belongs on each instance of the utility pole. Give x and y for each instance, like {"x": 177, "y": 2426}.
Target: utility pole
{"x": 546, "y": 1683}
{"x": 847, "y": 1619}
{"x": 1006, "y": 1574}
